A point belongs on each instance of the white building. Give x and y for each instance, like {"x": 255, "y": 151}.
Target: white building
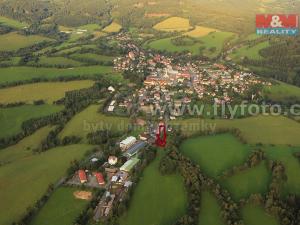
{"x": 127, "y": 143}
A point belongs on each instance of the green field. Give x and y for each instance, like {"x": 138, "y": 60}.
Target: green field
{"x": 90, "y": 57}
{"x": 213, "y": 40}
{"x": 11, "y": 119}
{"x": 14, "y": 61}
{"x": 255, "y": 215}
{"x": 252, "y": 181}
{"x": 276, "y": 130}
{"x": 24, "y": 181}
{"x": 250, "y": 52}
{"x": 49, "y": 92}
{"x": 282, "y": 92}
{"x": 291, "y": 164}
{"x": 90, "y": 120}
{"x": 157, "y": 199}
{"x": 215, "y": 154}
{"x": 13, "y": 74}
{"x": 14, "y": 41}
{"x": 25, "y": 147}
{"x": 12, "y": 23}
{"x": 61, "y": 209}
{"x": 210, "y": 211}
{"x": 57, "y": 61}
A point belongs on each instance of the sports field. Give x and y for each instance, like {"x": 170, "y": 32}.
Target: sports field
{"x": 157, "y": 199}
{"x": 215, "y": 154}
{"x": 13, "y": 74}
{"x": 251, "y": 181}
{"x": 61, "y": 209}
{"x": 14, "y": 41}
{"x": 276, "y": 130}
{"x": 173, "y": 24}
{"x": 24, "y": 181}
{"x": 210, "y": 210}
{"x": 11, "y": 119}
{"x": 49, "y": 92}
{"x": 91, "y": 120}
{"x": 255, "y": 215}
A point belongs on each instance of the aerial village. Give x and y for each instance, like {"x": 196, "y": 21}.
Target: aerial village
{"x": 175, "y": 84}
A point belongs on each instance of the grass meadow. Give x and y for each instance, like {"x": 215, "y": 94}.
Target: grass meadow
{"x": 250, "y": 181}
{"x": 112, "y": 28}
{"x": 200, "y": 31}
{"x": 91, "y": 120}
{"x": 92, "y": 57}
{"x": 215, "y": 154}
{"x": 157, "y": 199}
{"x": 14, "y": 41}
{"x": 14, "y": 74}
{"x": 49, "y": 91}
{"x": 25, "y": 180}
{"x": 11, "y": 119}
{"x": 62, "y": 208}
{"x": 255, "y": 215}
{"x": 210, "y": 210}
{"x": 282, "y": 92}
{"x": 250, "y": 52}
{"x": 57, "y": 61}
{"x": 12, "y": 23}
{"x": 277, "y": 130}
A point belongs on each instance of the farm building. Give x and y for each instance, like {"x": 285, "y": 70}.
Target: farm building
{"x": 127, "y": 143}
{"x": 100, "y": 178}
{"x": 134, "y": 149}
{"x": 82, "y": 176}
{"x": 129, "y": 165}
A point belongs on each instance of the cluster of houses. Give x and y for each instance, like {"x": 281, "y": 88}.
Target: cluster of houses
{"x": 116, "y": 178}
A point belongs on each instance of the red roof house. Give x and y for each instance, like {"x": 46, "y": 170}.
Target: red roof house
{"x": 100, "y": 178}
{"x": 82, "y": 176}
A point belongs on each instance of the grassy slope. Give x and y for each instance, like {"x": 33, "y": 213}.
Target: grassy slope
{"x": 251, "y": 53}
{"x": 210, "y": 211}
{"x": 12, "y": 23}
{"x": 24, "y": 148}
{"x": 216, "y": 40}
{"x": 173, "y": 24}
{"x": 157, "y": 199}
{"x": 215, "y": 154}
{"x": 58, "y": 61}
{"x": 13, "y": 74}
{"x": 62, "y": 208}
{"x": 11, "y": 119}
{"x": 112, "y": 28}
{"x": 26, "y": 180}
{"x": 92, "y": 57}
{"x": 282, "y": 91}
{"x": 255, "y": 215}
{"x": 261, "y": 129}
{"x": 91, "y": 120}
{"x": 14, "y": 41}
{"x": 291, "y": 164}
{"x": 49, "y": 92}
{"x": 251, "y": 181}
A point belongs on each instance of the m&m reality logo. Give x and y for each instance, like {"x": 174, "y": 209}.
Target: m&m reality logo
{"x": 277, "y": 24}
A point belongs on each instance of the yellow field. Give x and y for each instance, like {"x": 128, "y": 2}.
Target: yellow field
{"x": 200, "y": 31}
{"x": 49, "y": 92}
{"x": 112, "y": 28}
{"x": 173, "y": 24}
